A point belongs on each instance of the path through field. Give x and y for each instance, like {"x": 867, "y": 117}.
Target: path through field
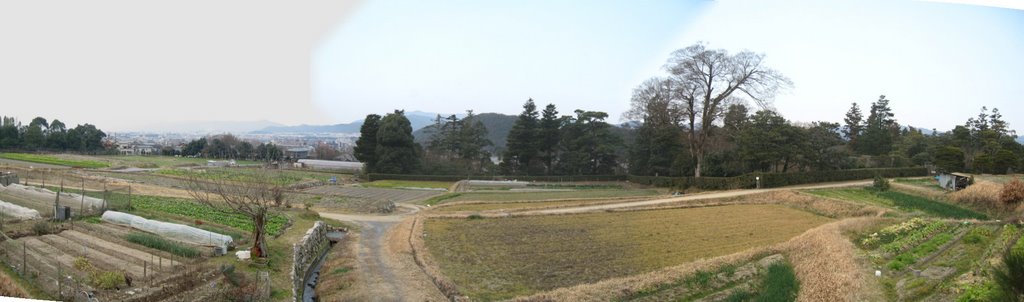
{"x": 712, "y": 195}
{"x": 384, "y": 261}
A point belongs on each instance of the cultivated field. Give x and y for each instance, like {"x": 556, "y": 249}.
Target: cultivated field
{"x": 506, "y": 196}
{"x": 497, "y": 258}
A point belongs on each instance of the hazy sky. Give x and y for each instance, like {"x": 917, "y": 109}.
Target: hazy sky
{"x": 124, "y": 64}
{"x": 938, "y": 63}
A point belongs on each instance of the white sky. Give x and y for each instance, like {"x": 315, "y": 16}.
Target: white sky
{"x": 126, "y": 65}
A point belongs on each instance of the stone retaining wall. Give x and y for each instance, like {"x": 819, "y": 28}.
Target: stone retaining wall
{"x": 305, "y": 252}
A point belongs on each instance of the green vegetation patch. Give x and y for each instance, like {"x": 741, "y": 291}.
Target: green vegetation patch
{"x": 51, "y": 160}
{"x": 780, "y": 285}
{"x": 155, "y": 242}
{"x": 900, "y": 200}
{"x": 929, "y": 206}
{"x": 195, "y": 210}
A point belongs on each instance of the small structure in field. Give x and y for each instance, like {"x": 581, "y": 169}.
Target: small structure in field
{"x": 953, "y": 181}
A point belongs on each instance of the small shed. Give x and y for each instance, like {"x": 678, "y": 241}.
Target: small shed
{"x": 953, "y": 181}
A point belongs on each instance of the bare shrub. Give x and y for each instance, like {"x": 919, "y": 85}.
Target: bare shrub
{"x": 1012, "y": 192}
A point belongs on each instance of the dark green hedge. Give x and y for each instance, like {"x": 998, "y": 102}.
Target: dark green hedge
{"x": 773, "y": 180}
{"x": 768, "y": 180}
{"x": 375, "y": 176}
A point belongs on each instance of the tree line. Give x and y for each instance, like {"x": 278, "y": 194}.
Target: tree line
{"x": 41, "y": 135}
{"x": 227, "y": 146}
{"x": 709, "y": 115}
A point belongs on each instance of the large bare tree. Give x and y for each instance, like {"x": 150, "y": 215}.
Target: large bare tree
{"x": 255, "y": 197}
{"x": 705, "y": 81}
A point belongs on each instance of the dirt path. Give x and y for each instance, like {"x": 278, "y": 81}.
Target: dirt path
{"x": 713, "y": 195}
{"x": 387, "y": 271}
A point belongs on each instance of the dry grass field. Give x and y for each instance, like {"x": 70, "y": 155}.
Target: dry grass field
{"x": 506, "y": 196}
{"x": 490, "y": 259}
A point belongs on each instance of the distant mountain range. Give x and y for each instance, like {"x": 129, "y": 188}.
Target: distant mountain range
{"x": 417, "y": 119}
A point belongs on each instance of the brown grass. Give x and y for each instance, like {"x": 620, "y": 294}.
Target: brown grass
{"x": 500, "y": 258}
{"x": 827, "y": 263}
{"x": 8, "y": 288}
{"x": 338, "y": 277}
{"x": 822, "y": 206}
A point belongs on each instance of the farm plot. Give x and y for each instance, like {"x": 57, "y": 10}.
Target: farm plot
{"x": 490, "y": 259}
{"x": 394, "y": 195}
{"x": 80, "y": 259}
{"x": 931, "y": 259}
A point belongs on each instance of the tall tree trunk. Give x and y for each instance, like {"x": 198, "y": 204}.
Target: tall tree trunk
{"x": 700, "y": 163}
{"x": 259, "y": 233}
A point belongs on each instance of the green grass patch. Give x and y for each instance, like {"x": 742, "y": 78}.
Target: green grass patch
{"x": 154, "y": 206}
{"x": 441, "y": 198}
{"x": 906, "y": 259}
{"x": 780, "y": 285}
{"x": 929, "y": 206}
{"x": 904, "y": 201}
{"x": 155, "y": 242}
{"x": 408, "y": 184}
{"x": 51, "y": 160}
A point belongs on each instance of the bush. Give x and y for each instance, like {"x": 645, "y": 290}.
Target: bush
{"x": 43, "y": 228}
{"x": 1010, "y": 277}
{"x": 107, "y": 279}
{"x": 152, "y": 241}
{"x": 881, "y": 184}
{"x": 1012, "y": 192}
{"x": 475, "y": 216}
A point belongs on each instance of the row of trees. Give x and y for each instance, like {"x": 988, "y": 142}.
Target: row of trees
{"x": 228, "y": 146}
{"x": 710, "y": 115}
{"x": 546, "y": 143}
{"x": 40, "y": 135}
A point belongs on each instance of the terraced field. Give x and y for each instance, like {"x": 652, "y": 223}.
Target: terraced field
{"x": 499, "y": 258}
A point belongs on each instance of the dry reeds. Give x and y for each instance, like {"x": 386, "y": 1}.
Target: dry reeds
{"x": 983, "y": 194}
{"x": 9, "y": 289}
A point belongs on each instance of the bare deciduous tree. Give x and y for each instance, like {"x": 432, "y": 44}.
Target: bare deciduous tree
{"x": 255, "y": 197}
{"x": 705, "y": 82}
